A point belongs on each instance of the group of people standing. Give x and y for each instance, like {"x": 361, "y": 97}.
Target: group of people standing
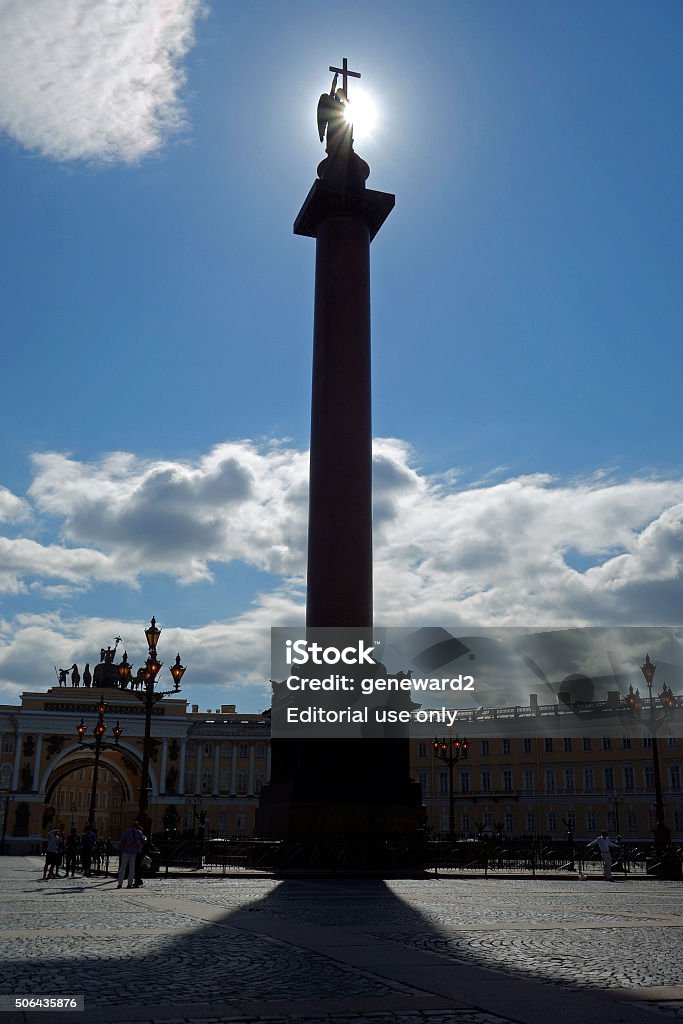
{"x": 75, "y": 852}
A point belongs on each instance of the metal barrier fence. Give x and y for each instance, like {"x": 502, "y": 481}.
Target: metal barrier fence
{"x": 479, "y": 855}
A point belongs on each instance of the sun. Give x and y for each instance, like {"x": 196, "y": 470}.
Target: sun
{"x": 361, "y": 112}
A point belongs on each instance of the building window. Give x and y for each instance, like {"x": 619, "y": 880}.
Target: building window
{"x": 626, "y": 742}
{"x": 569, "y": 780}
{"x": 443, "y": 782}
{"x": 508, "y": 823}
{"x": 259, "y": 781}
{"x": 8, "y": 744}
{"x": 606, "y": 743}
{"x": 507, "y": 780}
{"x": 529, "y": 780}
{"x": 260, "y": 753}
{"x": 608, "y": 776}
{"x": 629, "y": 778}
{"x": 464, "y": 781}
{"x": 189, "y": 781}
{"x": 244, "y": 750}
{"x": 506, "y": 746}
{"x": 647, "y": 742}
{"x": 586, "y": 743}
{"x": 552, "y": 821}
{"x": 240, "y": 823}
{"x": 526, "y": 743}
{"x": 548, "y": 744}
{"x": 422, "y": 778}
{"x": 241, "y": 782}
{"x": 191, "y": 748}
{"x": 649, "y": 777}
{"x": 675, "y": 776}
{"x": 225, "y": 749}
{"x": 590, "y": 821}
{"x": 5, "y": 776}
{"x": 208, "y": 749}
{"x": 530, "y": 822}
{"x": 465, "y": 822}
{"x": 567, "y": 744}
{"x": 671, "y": 741}
{"x": 550, "y": 780}
{"x": 485, "y": 745}
{"x": 486, "y": 781}
{"x": 631, "y": 820}
{"x": 207, "y": 780}
{"x": 224, "y": 780}
{"x": 486, "y": 820}
{"x": 588, "y": 780}
{"x": 422, "y": 750}
{"x": 223, "y": 820}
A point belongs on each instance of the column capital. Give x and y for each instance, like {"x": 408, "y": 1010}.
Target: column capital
{"x": 323, "y": 202}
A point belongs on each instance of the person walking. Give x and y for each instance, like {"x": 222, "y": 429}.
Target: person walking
{"x": 71, "y": 849}
{"x": 132, "y": 841}
{"x": 60, "y": 850}
{"x": 604, "y": 844}
{"x": 52, "y": 852}
{"x": 88, "y": 840}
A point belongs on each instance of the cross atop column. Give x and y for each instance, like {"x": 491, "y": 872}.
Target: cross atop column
{"x": 345, "y": 73}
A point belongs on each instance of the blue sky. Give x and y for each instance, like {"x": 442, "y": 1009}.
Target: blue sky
{"x": 157, "y": 320}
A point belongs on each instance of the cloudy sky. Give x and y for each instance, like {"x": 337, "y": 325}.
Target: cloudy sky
{"x": 157, "y": 320}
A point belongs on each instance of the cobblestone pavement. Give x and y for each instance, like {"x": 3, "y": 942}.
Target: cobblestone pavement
{"x": 428, "y": 951}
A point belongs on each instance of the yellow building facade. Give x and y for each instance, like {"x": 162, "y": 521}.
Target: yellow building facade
{"x": 528, "y": 771}
{"x": 534, "y": 770}
{"x": 208, "y": 767}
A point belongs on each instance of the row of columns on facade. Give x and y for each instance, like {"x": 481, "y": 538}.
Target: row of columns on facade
{"x": 163, "y": 789}
{"x": 215, "y": 790}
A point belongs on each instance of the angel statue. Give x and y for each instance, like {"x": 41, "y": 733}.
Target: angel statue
{"x": 342, "y": 168}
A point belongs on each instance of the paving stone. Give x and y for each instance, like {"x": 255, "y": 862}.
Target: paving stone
{"x": 207, "y": 942}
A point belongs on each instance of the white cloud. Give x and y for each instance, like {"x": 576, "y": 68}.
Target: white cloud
{"x": 176, "y": 518}
{"x": 493, "y": 553}
{"x": 93, "y": 80}
{"x": 12, "y": 508}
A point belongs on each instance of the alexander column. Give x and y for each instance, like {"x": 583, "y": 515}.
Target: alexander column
{"x": 342, "y": 792}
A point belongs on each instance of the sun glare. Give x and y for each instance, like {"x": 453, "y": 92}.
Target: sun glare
{"x": 361, "y": 113}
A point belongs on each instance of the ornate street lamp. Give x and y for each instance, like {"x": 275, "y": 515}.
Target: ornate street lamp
{"x": 668, "y": 703}
{"x": 98, "y": 732}
{"x": 149, "y": 697}
{"x": 450, "y": 751}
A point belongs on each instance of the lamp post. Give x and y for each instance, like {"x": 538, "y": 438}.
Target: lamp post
{"x": 8, "y": 799}
{"x": 149, "y": 697}
{"x": 616, "y": 800}
{"x": 98, "y": 732}
{"x": 450, "y": 751}
{"x": 669, "y": 703}
{"x": 570, "y": 825}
